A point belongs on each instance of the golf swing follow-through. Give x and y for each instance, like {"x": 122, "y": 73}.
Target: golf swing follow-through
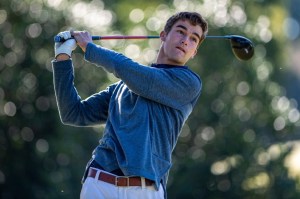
{"x": 143, "y": 113}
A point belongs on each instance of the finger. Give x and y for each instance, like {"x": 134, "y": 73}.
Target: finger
{"x": 71, "y": 43}
{"x": 72, "y": 33}
{"x": 67, "y": 35}
{"x": 79, "y": 35}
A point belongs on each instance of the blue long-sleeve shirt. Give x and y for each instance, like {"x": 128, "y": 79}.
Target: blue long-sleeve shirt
{"x": 143, "y": 113}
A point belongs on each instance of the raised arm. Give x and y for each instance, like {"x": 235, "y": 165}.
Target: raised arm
{"x": 73, "y": 110}
{"x": 173, "y": 86}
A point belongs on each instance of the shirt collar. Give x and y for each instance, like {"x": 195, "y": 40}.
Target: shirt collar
{"x": 167, "y": 66}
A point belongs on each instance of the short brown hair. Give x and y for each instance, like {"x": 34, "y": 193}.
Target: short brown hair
{"x": 193, "y": 17}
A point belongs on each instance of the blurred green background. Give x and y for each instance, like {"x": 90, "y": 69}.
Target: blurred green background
{"x": 241, "y": 141}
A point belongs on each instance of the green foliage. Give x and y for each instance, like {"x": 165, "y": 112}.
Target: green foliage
{"x": 234, "y": 144}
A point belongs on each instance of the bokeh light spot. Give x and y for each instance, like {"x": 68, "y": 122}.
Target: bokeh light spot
{"x": 2, "y": 177}
{"x": 34, "y": 30}
{"x": 10, "y": 109}
{"x": 294, "y": 115}
{"x": 42, "y": 103}
{"x": 279, "y": 123}
{"x": 243, "y": 88}
{"x": 291, "y": 28}
{"x": 133, "y": 51}
{"x": 249, "y": 135}
{"x": 220, "y": 167}
{"x": 27, "y": 134}
{"x": 3, "y": 16}
{"x": 136, "y": 15}
{"x": 42, "y": 145}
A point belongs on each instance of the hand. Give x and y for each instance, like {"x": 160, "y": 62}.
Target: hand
{"x": 82, "y": 38}
{"x": 66, "y": 47}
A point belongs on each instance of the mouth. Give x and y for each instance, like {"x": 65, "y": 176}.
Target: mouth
{"x": 180, "y": 48}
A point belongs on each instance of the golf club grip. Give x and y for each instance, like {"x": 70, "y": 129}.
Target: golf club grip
{"x": 58, "y": 38}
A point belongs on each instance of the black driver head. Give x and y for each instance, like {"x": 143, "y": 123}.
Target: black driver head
{"x": 242, "y": 47}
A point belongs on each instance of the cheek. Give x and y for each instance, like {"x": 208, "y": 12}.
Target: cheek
{"x": 193, "y": 45}
{"x": 174, "y": 38}
{"x": 192, "y": 51}
{"x": 168, "y": 45}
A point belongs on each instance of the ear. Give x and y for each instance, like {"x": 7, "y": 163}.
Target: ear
{"x": 163, "y": 35}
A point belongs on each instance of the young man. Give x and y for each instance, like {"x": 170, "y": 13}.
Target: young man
{"x": 144, "y": 112}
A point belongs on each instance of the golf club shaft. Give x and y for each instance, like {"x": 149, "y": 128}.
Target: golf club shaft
{"x": 113, "y": 37}
{"x": 148, "y": 37}
{"x": 123, "y": 37}
{"x": 60, "y": 39}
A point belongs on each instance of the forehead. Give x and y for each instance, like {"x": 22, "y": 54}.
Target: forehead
{"x": 190, "y": 27}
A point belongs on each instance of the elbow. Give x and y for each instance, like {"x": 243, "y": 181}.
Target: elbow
{"x": 64, "y": 120}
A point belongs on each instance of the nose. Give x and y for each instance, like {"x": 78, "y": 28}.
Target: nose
{"x": 184, "y": 41}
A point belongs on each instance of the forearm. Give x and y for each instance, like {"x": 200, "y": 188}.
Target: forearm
{"x": 173, "y": 86}
{"x": 72, "y": 109}
{"x": 65, "y": 93}
{"x": 136, "y": 76}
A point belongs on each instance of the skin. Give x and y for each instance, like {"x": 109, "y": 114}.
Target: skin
{"x": 180, "y": 44}
{"x": 177, "y": 47}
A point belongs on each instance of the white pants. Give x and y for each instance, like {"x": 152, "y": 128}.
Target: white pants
{"x": 96, "y": 189}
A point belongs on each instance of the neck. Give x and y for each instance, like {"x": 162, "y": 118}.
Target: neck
{"x": 160, "y": 57}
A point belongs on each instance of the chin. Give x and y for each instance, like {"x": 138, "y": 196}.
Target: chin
{"x": 175, "y": 61}
{"x": 180, "y": 62}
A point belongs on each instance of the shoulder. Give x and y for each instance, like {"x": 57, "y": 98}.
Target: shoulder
{"x": 189, "y": 76}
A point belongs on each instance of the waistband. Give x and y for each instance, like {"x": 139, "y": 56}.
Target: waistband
{"x": 121, "y": 181}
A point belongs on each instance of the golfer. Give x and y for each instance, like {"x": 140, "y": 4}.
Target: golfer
{"x": 143, "y": 112}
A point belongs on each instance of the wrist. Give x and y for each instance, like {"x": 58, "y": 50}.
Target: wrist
{"x": 62, "y": 57}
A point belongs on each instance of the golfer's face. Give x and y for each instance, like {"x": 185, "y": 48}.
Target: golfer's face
{"x": 181, "y": 43}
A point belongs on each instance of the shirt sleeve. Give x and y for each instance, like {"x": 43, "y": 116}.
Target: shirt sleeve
{"x": 72, "y": 109}
{"x": 174, "y": 87}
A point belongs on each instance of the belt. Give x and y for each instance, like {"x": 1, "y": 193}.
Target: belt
{"x": 120, "y": 181}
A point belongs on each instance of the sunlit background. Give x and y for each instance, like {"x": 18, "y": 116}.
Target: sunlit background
{"x": 242, "y": 139}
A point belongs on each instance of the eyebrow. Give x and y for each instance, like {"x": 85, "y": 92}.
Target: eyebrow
{"x": 185, "y": 28}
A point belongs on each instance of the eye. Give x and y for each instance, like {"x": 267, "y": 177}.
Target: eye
{"x": 180, "y": 32}
{"x": 194, "y": 39}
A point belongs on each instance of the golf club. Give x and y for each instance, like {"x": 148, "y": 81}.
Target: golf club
{"x": 242, "y": 47}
